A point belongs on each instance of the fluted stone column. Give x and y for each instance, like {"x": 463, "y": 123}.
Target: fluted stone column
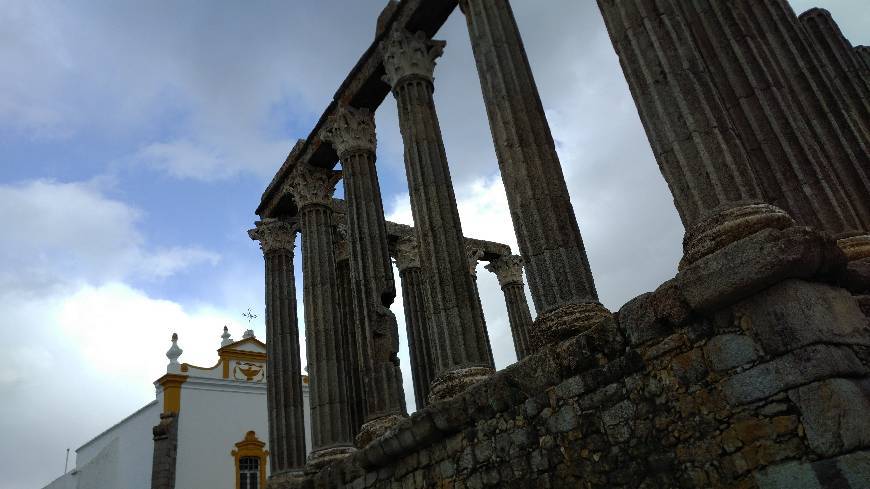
{"x": 840, "y": 63}
{"x": 352, "y": 133}
{"x": 863, "y": 54}
{"x": 791, "y": 169}
{"x": 547, "y": 232}
{"x": 414, "y": 301}
{"x": 791, "y": 60}
{"x": 349, "y": 331}
{"x": 283, "y": 373}
{"x": 331, "y": 432}
{"x": 701, "y": 157}
{"x": 509, "y": 271}
{"x": 461, "y": 357}
{"x": 473, "y": 254}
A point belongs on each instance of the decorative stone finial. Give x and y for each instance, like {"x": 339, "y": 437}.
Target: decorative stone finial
{"x": 508, "y": 269}
{"x": 274, "y": 234}
{"x": 473, "y": 254}
{"x": 349, "y": 130}
{"x": 310, "y": 185}
{"x": 409, "y": 55}
{"x": 249, "y": 333}
{"x": 406, "y": 253}
{"x": 226, "y": 339}
{"x": 172, "y": 354}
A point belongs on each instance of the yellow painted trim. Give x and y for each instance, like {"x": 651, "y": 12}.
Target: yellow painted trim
{"x": 251, "y": 446}
{"x": 171, "y": 384}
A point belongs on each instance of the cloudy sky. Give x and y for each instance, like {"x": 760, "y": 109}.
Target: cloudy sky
{"x": 137, "y": 138}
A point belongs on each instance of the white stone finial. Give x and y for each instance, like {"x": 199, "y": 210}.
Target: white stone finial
{"x": 249, "y": 333}
{"x": 226, "y": 339}
{"x": 172, "y": 354}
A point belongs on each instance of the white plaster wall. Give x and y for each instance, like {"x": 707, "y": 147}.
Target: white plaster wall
{"x": 120, "y": 457}
{"x": 66, "y": 481}
{"x": 214, "y": 416}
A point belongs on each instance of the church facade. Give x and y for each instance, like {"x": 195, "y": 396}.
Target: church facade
{"x": 206, "y": 427}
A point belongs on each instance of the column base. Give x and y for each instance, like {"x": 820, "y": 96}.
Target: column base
{"x": 855, "y": 247}
{"x": 730, "y": 225}
{"x": 318, "y": 459}
{"x": 453, "y": 382}
{"x": 567, "y": 321}
{"x": 375, "y": 428}
{"x": 289, "y": 479}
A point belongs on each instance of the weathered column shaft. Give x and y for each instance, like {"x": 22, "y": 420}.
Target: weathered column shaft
{"x": 543, "y": 217}
{"x": 331, "y": 432}
{"x": 352, "y": 133}
{"x": 351, "y": 348}
{"x": 457, "y": 321}
{"x": 697, "y": 149}
{"x": 473, "y": 255}
{"x": 784, "y": 155}
{"x": 843, "y": 143}
{"x": 840, "y": 62}
{"x": 413, "y": 298}
{"x": 509, "y": 270}
{"x": 863, "y": 55}
{"x": 283, "y": 373}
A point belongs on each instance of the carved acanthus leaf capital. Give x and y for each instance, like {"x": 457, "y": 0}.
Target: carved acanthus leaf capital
{"x": 473, "y": 254}
{"x": 407, "y": 253}
{"x": 310, "y": 185}
{"x": 407, "y": 54}
{"x": 349, "y": 130}
{"x": 508, "y": 269}
{"x": 274, "y": 235}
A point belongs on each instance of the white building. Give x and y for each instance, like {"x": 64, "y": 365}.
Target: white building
{"x": 219, "y": 436}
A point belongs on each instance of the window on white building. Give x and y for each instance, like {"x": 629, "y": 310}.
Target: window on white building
{"x": 249, "y": 473}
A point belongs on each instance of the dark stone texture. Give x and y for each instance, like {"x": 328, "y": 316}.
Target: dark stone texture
{"x": 165, "y": 452}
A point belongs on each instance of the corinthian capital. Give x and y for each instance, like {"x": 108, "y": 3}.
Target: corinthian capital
{"x": 473, "y": 254}
{"x": 349, "y": 130}
{"x": 310, "y": 185}
{"x": 274, "y": 235}
{"x": 508, "y": 269}
{"x": 409, "y": 55}
{"x": 406, "y": 253}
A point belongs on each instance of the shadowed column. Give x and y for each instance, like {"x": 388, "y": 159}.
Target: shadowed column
{"x": 509, "y": 271}
{"x": 863, "y": 54}
{"x": 461, "y": 357}
{"x": 474, "y": 254}
{"x": 547, "y": 232}
{"x": 352, "y": 133}
{"x": 784, "y": 156}
{"x": 697, "y": 149}
{"x": 794, "y": 65}
{"x": 349, "y": 331}
{"x": 331, "y": 432}
{"x": 283, "y": 372}
{"x": 414, "y": 301}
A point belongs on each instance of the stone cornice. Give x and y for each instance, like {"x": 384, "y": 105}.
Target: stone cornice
{"x": 406, "y": 253}
{"x": 350, "y": 130}
{"x": 274, "y": 235}
{"x": 311, "y": 185}
{"x": 508, "y": 269}
{"x": 407, "y": 55}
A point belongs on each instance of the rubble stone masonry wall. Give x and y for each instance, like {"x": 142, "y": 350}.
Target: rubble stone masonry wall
{"x": 749, "y": 369}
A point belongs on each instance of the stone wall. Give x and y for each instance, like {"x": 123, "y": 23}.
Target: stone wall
{"x": 748, "y": 369}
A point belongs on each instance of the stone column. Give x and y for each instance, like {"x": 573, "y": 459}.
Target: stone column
{"x": 700, "y": 156}
{"x": 331, "y": 432}
{"x": 414, "y": 299}
{"x": 840, "y": 63}
{"x": 787, "y": 161}
{"x": 283, "y": 372}
{"x": 792, "y": 62}
{"x": 349, "y": 330}
{"x": 473, "y": 254}
{"x": 461, "y": 358}
{"x": 352, "y": 133}
{"x": 509, "y": 271}
{"x": 863, "y": 54}
{"x": 547, "y": 232}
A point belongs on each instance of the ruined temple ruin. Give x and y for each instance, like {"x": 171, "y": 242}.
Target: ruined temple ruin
{"x": 748, "y": 369}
